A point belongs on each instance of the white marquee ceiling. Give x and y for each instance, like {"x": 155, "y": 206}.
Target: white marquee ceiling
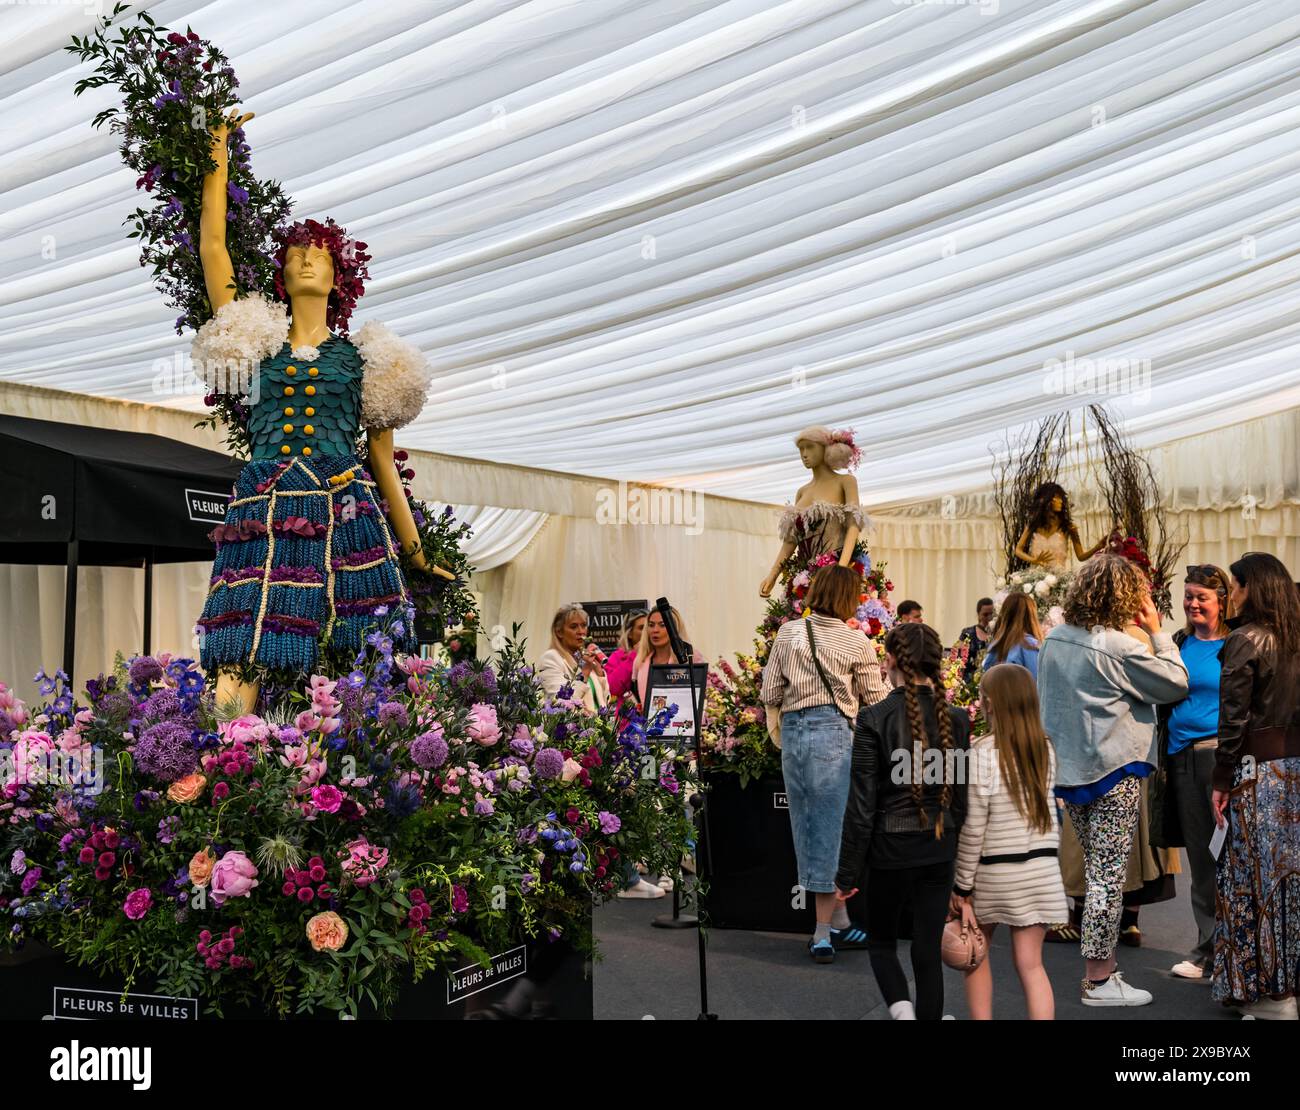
{"x": 650, "y": 239}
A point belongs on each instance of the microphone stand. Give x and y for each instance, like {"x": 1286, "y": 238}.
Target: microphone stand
{"x": 679, "y": 920}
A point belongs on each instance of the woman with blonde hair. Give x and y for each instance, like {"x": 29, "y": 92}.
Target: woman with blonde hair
{"x": 1007, "y": 870}
{"x": 1016, "y": 635}
{"x": 656, "y": 647}
{"x": 573, "y": 661}
{"x": 1099, "y": 689}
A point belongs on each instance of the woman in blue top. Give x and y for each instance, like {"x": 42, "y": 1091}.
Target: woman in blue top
{"x": 1187, "y": 739}
{"x": 1016, "y": 635}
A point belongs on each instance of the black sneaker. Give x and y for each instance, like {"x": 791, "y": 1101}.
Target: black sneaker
{"x": 823, "y": 951}
{"x": 850, "y": 937}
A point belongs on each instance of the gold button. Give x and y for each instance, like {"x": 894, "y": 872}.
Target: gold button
{"x": 308, "y": 430}
{"x": 309, "y": 411}
{"x": 288, "y": 428}
{"x": 306, "y": 450}
{"x": 288, "y": 391}
{"x": 310, "y": 391}
{"x": 285, "y": 449}
{"x": 288, "y": 411}
{"x": 313, "y": 371}
{"x": 291, "y": 370}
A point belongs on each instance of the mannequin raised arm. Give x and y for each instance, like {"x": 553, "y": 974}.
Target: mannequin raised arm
{"x": 218, "y": 271}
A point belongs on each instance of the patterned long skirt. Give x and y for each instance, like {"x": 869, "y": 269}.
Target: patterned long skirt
{"x": 305, "y": 561}
{"x": 1257, "y": 927}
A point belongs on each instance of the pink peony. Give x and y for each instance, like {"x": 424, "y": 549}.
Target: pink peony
{"x": 327, "y": 799}
{"x": 250, "y": 729}
{"x": 364, "y": 861}
{"x": 483, "y": 726}
{"x": 138, "y": 903}
{"x": 234, "y": 876}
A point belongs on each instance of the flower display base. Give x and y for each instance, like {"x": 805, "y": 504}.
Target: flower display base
{"x": 530, "y": 982}
{"x": 753, "y": 874}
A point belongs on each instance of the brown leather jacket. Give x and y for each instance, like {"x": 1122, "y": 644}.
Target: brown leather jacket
{"x": 1259, "y": 701}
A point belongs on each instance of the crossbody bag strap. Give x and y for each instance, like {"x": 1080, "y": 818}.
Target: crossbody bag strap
{"x": 821, "y": 673}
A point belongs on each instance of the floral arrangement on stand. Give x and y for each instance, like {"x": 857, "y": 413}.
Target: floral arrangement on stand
{"x": 1131, "y": 548}
{"x": 174, "y": 88}
{"x": 1047, "y": 587}
{"x": 400, "y": 820}
{"x": 960, "y": 691}
{"x": 734, "y": 736}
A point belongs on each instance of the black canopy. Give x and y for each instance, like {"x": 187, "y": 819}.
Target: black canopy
{"x": 77, "y": 495}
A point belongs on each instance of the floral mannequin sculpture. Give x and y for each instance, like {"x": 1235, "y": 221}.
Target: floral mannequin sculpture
{"x": 309, "y": 556}
{"x": 826, "y": 515}
{"x": 1047, "y": 537}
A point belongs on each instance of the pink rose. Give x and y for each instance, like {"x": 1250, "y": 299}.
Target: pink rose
{"x": 327, "y": 799}
{"x": 572, "y": 769}
{"x": 234, "y": 876}
{"x": 327, "y": 932}
{"x": 137, "y": 903}
{"x": 483, "y": 725}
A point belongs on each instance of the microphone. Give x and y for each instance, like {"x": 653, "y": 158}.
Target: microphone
{"x": 675, "y": 640}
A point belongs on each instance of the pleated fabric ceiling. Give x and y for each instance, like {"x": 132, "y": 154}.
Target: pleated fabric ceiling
{"x": 650, "y": 240}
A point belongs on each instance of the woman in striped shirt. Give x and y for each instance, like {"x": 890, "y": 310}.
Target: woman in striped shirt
{"x": 1007, "y": 869}
{"x": 818, "y": 673}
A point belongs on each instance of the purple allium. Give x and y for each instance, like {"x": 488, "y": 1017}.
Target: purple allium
{"x": 145, "y": 669}
{"x": 429, "y": 750}
{"x": 549, "y": 763}
{"x": 165, "y": 752}
{"x": 393, "y": 712}
{"x": 162, "y": 705}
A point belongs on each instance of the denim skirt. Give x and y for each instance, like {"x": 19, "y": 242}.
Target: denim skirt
{"x": 816, "y": 760}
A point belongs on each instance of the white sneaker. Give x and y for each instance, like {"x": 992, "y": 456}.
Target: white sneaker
{"x": 1114, "y": 992}
{"x": 642, "y": 889}
{"x": 1189, "y": 969}
{"x": 1270, "y": 1009}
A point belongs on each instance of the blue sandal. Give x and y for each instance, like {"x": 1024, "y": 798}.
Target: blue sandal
{"x": 851, "y": 936}
{"x": 823, "y": 951}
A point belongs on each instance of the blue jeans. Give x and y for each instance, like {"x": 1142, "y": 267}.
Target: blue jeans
{"x": 816, "y": 759}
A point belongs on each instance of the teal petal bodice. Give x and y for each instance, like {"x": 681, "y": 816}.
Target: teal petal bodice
{"x": 308, "y": 407}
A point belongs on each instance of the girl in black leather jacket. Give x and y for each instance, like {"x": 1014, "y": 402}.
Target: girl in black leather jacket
{"x": 904, "y": 816}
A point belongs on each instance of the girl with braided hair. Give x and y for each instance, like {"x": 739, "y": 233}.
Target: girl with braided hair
{"x": 907, "y": 801}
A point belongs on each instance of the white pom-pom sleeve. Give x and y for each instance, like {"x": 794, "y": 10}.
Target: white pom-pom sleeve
{"x": 396, "y": 381}
{"x": 227, "y": 349}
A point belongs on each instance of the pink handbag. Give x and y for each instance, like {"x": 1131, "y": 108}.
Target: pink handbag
{"x": 963, "y": 948}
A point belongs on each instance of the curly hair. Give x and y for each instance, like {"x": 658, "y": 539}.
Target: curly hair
{"x": 918, "y": 651}
{"x": 350, "y": 266}
{"x": 1107, "y": 592}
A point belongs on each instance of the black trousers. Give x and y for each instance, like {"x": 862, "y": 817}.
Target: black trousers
{"x": 928, "y": 889}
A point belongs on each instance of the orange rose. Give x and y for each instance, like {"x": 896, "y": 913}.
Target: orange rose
{"x": 327, "y": 932}
{"x": 201, "y": 867}
{"x": 187, "y": 789}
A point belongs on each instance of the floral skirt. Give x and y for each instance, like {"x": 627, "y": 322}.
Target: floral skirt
{"x": 1257, "y": 927}
{"x": 305, "y": 561}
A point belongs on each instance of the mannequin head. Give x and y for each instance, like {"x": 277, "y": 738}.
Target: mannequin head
{"x": 820, "y": 446}
{"x": 318, "y": 260}
{"x": 1050, "y": 506}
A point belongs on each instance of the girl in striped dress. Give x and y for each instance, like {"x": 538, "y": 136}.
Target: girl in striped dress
{"x": 1007, "y": 869}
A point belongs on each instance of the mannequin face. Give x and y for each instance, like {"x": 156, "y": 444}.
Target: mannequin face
{"x": 812, "y": 454}
{"x": 1058, "y": 503}
{"x": 308, "y": 271}
{"x": 574, "y": 632}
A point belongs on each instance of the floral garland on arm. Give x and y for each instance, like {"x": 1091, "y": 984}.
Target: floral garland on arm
{"x": 172, "y": 86}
